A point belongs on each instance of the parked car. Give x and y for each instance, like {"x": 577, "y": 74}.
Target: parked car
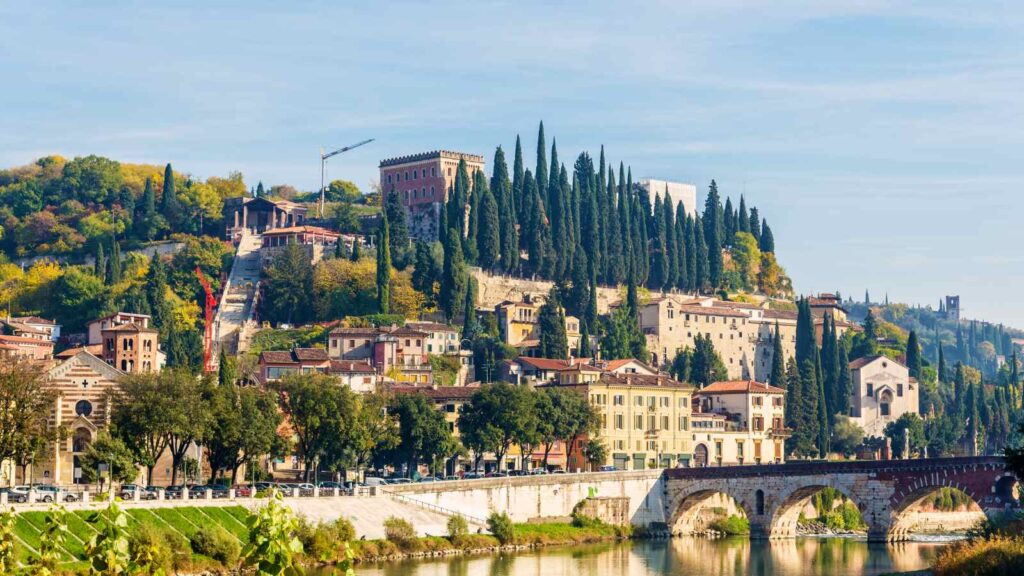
{"x": 261, "y": 486}
{"x": 242, "y": 490}
{"x": 399, "y": 480}
{"x": 374, "y": 481}
{"x": 538, "y": 471}
{"x": 50, "y": 493}
{"x": 15, "y": 495}
{"x": 496, "y": 475}
{"x": 450, "y": 478}
{"x": 427, "y": 479}
{"x": 607, "y": 468}
{"x": 472, "y": 476}
{"x": 173, "y": 492}
{"x": 305, "y": 489}
{"x": 145, "y": 492}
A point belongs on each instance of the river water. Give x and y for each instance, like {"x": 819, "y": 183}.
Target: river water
{"x": 686, "y": 557}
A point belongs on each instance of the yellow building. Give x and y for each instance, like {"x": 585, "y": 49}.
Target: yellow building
{"x": 518, "y": 324}
{"x": 644, "y": 419}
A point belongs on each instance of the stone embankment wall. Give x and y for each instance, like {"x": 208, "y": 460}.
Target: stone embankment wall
{"x": 552, "y": 496}
{"x": 493, "y": 289}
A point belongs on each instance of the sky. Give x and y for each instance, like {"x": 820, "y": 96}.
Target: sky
{"x": 881, "y": 140}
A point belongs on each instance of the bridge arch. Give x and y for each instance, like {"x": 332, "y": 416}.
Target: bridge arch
{"x": 987, "y": 498}
{"x": 684, "y": 509}
{"x": 782, "y": 516}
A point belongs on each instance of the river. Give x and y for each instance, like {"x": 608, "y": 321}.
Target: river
{"x": 684, "y": 557}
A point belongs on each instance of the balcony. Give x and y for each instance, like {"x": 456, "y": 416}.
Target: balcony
{"x": 781, "y": 433}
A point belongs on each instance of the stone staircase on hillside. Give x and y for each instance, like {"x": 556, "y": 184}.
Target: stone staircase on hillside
{"x": 236, "y": 308}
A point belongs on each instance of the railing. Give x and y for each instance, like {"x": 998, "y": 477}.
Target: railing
{"x": 434, "y": 507}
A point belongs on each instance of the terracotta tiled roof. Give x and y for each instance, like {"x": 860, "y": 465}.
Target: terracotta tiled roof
{"x": 24, "y": 340}
{"x": 865, "y": 360}
{"x": 94, "y": 349}
{"x": 780, "y": 314}
{"x": 550, "y": 363}
{"x": 740, "y": 387}
{"x": 431, "y": 327}
{"x": 311, "y": 354}
{"x": 740, "y": 305}
{"x": 277, "y": 357}
{"x": 712, "y": 311}
{"x": 613, "y": 365}
{"x": 350, "y": 367}
{"x": 33, "y": 320}
{"x": 361, "y": 330}
{"x": 130, "y": 327}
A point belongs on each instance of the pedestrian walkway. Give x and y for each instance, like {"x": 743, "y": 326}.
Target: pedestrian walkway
{"x": 238, "y": 298}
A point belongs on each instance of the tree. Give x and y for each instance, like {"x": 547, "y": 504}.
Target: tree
{"x": 495, "y": 417}
{"x": 375, "y": 431}
{"x": 245, "y": 422}
{"x": 551, "y": 324}
{"x": 713, "y": 234}
{"x": 189, "y": 417}
{"x": 846, "y": 436}
{"x": 427, "y": 271}
{"x": 142, "y": 418}
{"x": 340, "y": 191}
{"x": 913, "y": 356}
{"x": 453, "y": 275}
{"x": 321, "y": 412}
{"x": 346, "y": 219}
{"x": 778, "y": 373}
{"x": 470, "y": 326}
{"x": 747, "y": 257}
{"x": 398, "y": 231}
{"x": 907, "y": 428}
{"x": 25, "y": 405}
{"x": 706, "y": 365}
{"x": 289, "y": 286}
{"x": 169, "y": 205}
{"x": 577, "y": 419}
{"x": 488, "y": 232}
{"x": 423, "y": 433}
{"x": 383, "y": 266}
{"x": 110, "y": 451}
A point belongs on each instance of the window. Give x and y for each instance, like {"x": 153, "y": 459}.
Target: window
{"x": 619, "y": 400}
{"x": 664, "y": 402}
{"x": 406, "y": 175}
{"x": 389, "y": 178}
{"x": 684, "y": 402}
{"x": 758, "y": 424}
{"x": 870, "y": 390}
{"x": 351, "y": 343}
{"x": 777, "y": 401}
{"x": 664, "y": 422}
{"x": 83, "y": 408}
{"x": 684, "y": 423}
{"x": 638, "y": 422}
{"x": 433, "y": 174}
{"x": 899, "y": 389}
{"x": 415, "y": 174}
{"x": 758, "y": 400}
{"x": 639, "y": 400}
{"x": 620, "y": 422}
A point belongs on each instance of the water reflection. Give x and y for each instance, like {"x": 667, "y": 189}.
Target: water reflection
{"x": 686, "y": 556}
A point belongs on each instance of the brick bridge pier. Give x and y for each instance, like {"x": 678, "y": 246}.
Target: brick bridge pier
{"x": 884, "y": 491}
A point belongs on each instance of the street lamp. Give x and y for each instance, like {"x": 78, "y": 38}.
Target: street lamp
{"x": 323, "y": 168}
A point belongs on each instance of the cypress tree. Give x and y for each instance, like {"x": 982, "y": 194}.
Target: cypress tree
{"x": 767, "y": 242}
{"x": 114, "y": 275}
{"x": 625, "y": 231}
{"x": 470, "y": 243}
{"x": 398, "y": 232}
{"x": 470, "y": 326}
{"x": 541, "y": 175}
{"x": 755, "y": 227}
{"x": 794, "y": 402}
{"x": 659, "y": 262}
{"x": 453, "y": 275}
{"x": 554, "y": 342}
{"x": 356, "y": 254}
{"x": 100, "y": 266}
{"x": 743, "y": 220}
{"x": 805, "y": 345}
{"x": 700, "y": 279}
{"x": 584, "y": 350}
{"x": 778, "y": 374}
{"x": 259, "y": 190}
{"x": 488, "y": 232}
{"x": 538, "y": 234}
{"x": 823, "y": 418}
{"x": 682, "y": 279}
{"x": 808, "y": 443}
{"x": 713, "y": 235}
{"x": 384, "y": 265}
{"x": 845, "y": 383}
{"x": 170, "y": 206}
{"x": 144, "y": 222}
{"x": 518, "y": 195}
{"x": 941, "y": 364}
{"x": 615, "y": 257}
{"x": 457, "y": 200}
{"x": 671, "y": 255}
{"x": 913, "y": 356}
{"x": 730, "y": 220}
{"x": 1014, "y": 374}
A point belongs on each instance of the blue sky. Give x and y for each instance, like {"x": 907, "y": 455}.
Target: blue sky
{"x": 880, "y": 139}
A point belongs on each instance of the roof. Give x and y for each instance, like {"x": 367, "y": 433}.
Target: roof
{"x": 109, "y": 316}
{"x": 22, "y": 327}
{"x": 742, "y": 305}
{"x": 712, "y": 311}
{"x": 25, "y": 340}
{"x": 301, "y": 230}
{"x": 294, "y": 356}
{"x": 431, "y": 326}
{"x": 94, "y": 349}
{"x": 438, "y": 393}
{"x": 865, "y": 360}
{"x": 613, "y": 365}
{"x": 351, "y": 367}
{"x": 130, "y": 327}
{"x": 360, "y": 330}
{"x": 551, "y": 363}
{"x": 276, "y": 357}
{"x": 740, "y": 387}
{"x": 33, "y": 320}
{"x": 311, "y": 354}
{"x": 780, "y": 314}
{"x": 430, "y": 156}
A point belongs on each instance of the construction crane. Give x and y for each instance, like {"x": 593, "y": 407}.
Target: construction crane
{"x": 323, "y": 168}
{"x": 211, "y": 303}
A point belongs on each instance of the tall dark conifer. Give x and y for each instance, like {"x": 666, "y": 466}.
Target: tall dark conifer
{"x": 778, "y": 373}
{"x": 384, "y": 265}
{"x": 541, "y": 175}
{"x": 713, "y": 235}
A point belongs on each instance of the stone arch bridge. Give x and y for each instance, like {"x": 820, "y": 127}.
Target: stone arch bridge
{"x": 884, "y": 491}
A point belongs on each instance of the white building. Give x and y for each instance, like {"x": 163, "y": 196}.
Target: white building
{"x": 677, "y": 191}
{"x": 739, "y": 422}
{"x": 882, "y": 391}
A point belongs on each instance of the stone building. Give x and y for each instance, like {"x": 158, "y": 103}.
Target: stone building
{"x": 677, "y": 192}
{"x": 84, "y": 384}
{"x": 96, "y": 327}
{"x": 395, "y": 352}
{"x": 275, "y": 364}
{"x": 739, "y": 422}
{"x": 261, "y": 214}
{"x": 313, "y": 240}
{"x": 132, "y": 349}
{"x": 518, "y": 324}
{"x": 882, "y": 391}
{"x": 422, "y": 182}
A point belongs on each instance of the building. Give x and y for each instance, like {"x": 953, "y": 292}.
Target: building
{"x": 644, "y": 420}
{"x": 952, "y": 308}
{"x": 441, "y": 338}
{"x": 30, "y": 347}
{"x": 313, "y": 240}
{"x": 449, "y": 400}
{"x": 96, "y": 327}
{"x": 677, "y": 192}
{"x": 357, "y": 375}
{"x": 518, "y": 324}
{"x": 422, "y": 182}
{"x": 132, "y": 349}
{"x": 261, "y": 214}
{"x": 275, "y": 364}
{"x": 743, "y": 334}
{"x": 739, "y": 422}
{"x": 84, "y": 384}
{"x": 827, "y": 304}
{"x": 32, "y": 326}
{"x": 398, "y": 353}
{"x": 533, "y": 371}
{"x": 882, "y": 391}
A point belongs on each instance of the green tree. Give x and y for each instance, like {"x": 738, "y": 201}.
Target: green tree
{"x": 170, "y": 207}
{"x": 189, "y": 417}
{"x": 289, "y": 287}
{"x": 453, "y": 276}
{"x": 110, "y": 451}
{"x": 244, "y": 428}
{"x": 342, "y": 191}
{"x": 847, "y": 436}
{"x": 423, "y": 433}
{"x": 383, "y": 266}
{"x": 470, "y": 326}
{"x": 554, "y": 342}
{"x": 496, "y": 416}
{"x": 142, "y": 418}
{"x": 909, "y": 427}
{"x": 321, "y": 413}
{"x": 488, "y": 232}
{"x": 706, "y": 365}
{"x": 778, "y": 373}
{"x": 913, "y": 356}
{"x": 398, "y": 231}
{"x": 713, "y": 234}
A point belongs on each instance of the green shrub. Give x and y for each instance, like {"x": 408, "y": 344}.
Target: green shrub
{"x": 500, "y": 525}
{"x": 584, "y": 521}
{"x": 992, "y": 557}
{"x": 851, "y": 516}
{"x": 321, "y": 541}
{"x": 401, "y": 532}
{"x": 457, "y": 527}
{"x": 216, "y": 543}
{"x": 152, "y": 547}
{"x": 732, "y": 526}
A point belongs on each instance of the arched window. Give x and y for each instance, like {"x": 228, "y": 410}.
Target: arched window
{"x": 885, "y": 403}
{"x": 82, "y": 439}
{"x": 759, "y": 502}
{"x": 83, "y": 408}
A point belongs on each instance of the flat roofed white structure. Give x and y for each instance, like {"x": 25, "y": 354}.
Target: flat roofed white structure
{"x": 677, "y": 191}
